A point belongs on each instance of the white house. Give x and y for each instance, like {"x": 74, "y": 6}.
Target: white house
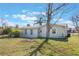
{"x": 56, "y": 31}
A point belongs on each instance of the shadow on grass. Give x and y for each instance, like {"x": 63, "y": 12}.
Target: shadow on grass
{"x": 62, "y": 39}
{"x": 57, "y": 39}
{"x": 34, "y": 52}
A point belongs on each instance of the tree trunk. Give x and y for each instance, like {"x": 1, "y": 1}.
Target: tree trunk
{"x": 48, "y": 32}
{"x": 39, "y": 32}
{"x": 48, "y": 20}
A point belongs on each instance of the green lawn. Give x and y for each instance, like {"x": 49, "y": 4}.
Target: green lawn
{"x": 21, "y": 46}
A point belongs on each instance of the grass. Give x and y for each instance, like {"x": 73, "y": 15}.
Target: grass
{"x": 22, "y": 47}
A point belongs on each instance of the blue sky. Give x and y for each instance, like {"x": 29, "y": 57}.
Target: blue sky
{"x": 26, "y": 13}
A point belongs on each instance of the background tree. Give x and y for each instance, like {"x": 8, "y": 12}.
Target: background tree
{"x": 16, "y": 26}
{"x": 75, "y": 21}
{"x": 3, "y": 21}
{"x": 7, "y": 30}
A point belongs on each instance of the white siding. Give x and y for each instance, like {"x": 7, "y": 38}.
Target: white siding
{"x": 43, "y": 33}
{"x": 60, "y": 32}
{"x": 28, "y": 34}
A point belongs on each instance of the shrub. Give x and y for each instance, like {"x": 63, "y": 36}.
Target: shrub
{"x": 15, "y": 33}
{"x": 68, "y": 35}
{"x": 7, "y": 31}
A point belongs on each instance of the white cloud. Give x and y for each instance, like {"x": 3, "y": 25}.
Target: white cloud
{"x": 28, "y": 18}
{"x": 24, "y": 11}
{"x": 31, "y": 18}
{"x": 24, "y": 17}
{"x": 10, "y": 24}
{"x": 44, "y": 13}
{"x": 16, "y": 15}
{"x": 36, "y": 13}
{"x": 6, "y": 15}
{"x": 59, "y": 19}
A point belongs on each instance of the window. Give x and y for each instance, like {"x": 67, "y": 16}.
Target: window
{"x": 31, "y": 31}
{"x": 26, "y": 31}
{"x": 40, "y": 31}
{"x": 53, "y": 31}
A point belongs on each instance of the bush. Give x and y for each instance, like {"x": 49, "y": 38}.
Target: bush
{"x": 12, "y": 32}
{"x": 68, "y": 35}
{"x": 15, "y": 33}
{"x": 7, "y": 31}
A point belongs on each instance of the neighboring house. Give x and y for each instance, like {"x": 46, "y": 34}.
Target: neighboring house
{"x": 56, "y": 31}
{"x": 1, "y": 30}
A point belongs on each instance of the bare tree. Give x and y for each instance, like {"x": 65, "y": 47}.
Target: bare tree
{"x": 16, "y": 26}
{"x": 49, "y": 13}
{"x": 75, "y": 21}
{"x": 40, "y": 21}
{"x": 3, "y": 21}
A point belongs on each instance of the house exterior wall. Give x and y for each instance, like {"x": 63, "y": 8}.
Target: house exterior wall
{"x": 43, "y": 33}
{"x": 28, "y": 34}
{"x": 60, "y": 32}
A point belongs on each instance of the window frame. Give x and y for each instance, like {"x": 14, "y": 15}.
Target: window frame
{"x": 40, "y": 31}
{"x": 31, "y": 31}
{"x": 25, "y": 31}
{"x": 53, "y": 31}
